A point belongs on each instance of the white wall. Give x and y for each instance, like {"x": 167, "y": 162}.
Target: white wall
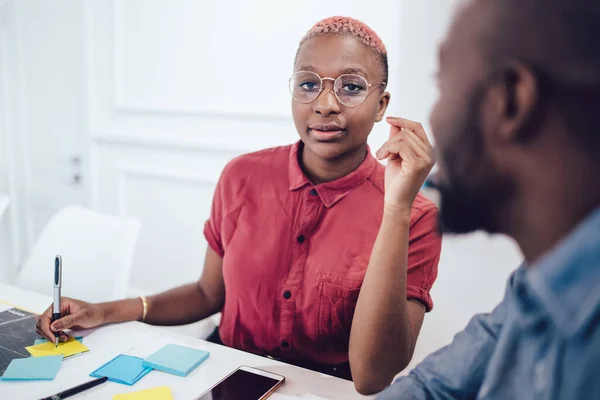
{"x": 150, "y": 95}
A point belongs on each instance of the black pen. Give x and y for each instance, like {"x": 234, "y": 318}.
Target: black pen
{"x": 57, "y": 285}
{"x": 77, "y": 389}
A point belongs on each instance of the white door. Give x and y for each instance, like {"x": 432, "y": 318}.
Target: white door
{"x": 51, "y": 58}
{"x": 5, "y": 165}
{"x": 13, "y": 236}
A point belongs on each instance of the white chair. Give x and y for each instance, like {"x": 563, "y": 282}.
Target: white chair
{"x": 201, "y": 329}
{"x": 97, "y": 252}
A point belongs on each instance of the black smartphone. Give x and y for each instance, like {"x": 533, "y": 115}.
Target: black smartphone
{"x": 245, "y": 383}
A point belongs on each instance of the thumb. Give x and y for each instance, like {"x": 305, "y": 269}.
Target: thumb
{"x": 64, "y": 323}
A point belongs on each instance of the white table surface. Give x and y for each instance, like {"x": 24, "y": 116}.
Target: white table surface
{"x": 141, "y": 339}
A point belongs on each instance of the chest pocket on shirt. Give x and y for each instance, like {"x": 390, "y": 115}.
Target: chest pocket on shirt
{"x": 337, "y": 301}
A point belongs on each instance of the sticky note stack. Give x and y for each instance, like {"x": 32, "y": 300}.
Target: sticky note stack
{"x": 33, "y": 369}
{"x": 67, "y": 349}
{"x": 122, "y": 369}
{"x": 42, "y": 340}
{"x": 159, "y": 393}
{"x": 175, "y": 359}
{"x": 45, "y": 360}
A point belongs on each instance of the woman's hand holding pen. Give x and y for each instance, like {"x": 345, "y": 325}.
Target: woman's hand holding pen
{"x": 76, "y": 314}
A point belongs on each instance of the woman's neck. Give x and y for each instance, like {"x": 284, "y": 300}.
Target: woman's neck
{"x": 320, "y": 170}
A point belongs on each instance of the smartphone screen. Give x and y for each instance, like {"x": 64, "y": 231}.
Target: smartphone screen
{"x": 242, "y": 385}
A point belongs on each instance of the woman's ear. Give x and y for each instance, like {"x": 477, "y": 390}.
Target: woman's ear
{"x": 384, "y": 101}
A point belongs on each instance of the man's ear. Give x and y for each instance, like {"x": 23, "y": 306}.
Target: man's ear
{"x": 514, "y": 100}
{"x": 384, "y": 101}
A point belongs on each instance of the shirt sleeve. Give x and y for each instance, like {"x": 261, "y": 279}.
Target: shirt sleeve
{"x": 212, "y": 227}
{"x": 424, "y": 249}
{"x": 455, "y": 371}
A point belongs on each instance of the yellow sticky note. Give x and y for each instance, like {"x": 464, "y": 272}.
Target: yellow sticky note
{"x": 68, "y": 348}
{"x": 157, "y": 393}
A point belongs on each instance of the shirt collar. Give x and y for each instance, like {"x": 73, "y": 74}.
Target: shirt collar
{"x": 567, "y": 280}
{"x": 330, "y": 192}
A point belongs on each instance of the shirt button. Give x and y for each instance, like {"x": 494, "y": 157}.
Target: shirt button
{"x": 285, "y": 344}
{"x": 287, "y": 294}
{"x": 313, "y": 192}
{"x": 301, "y": 239}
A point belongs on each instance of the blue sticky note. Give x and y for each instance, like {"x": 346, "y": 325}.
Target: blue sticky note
{"x": 176, "y": 360}
{"x": 33, "y": 369}
{"x": 41, "y": 340}
{"x": 122, "y": 369}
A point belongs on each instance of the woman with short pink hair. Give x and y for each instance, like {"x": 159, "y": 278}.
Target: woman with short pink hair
{"x": 318, "y": 254}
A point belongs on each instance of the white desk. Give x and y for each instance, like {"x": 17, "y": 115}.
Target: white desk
{"x": 109, "y": 341}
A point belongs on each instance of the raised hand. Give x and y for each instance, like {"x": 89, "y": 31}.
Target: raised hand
{"x": 410, "y": 159}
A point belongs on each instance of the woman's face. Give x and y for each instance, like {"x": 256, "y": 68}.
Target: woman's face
{"x": 327, "y": 128}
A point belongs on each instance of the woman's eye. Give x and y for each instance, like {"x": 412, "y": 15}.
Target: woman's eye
{"x": 352, "y": 88}
{"x": 308, "y": 86}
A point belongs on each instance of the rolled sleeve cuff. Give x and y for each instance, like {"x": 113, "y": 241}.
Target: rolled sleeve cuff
{"x": 420, "y": 294}
{"x": 212, "y": 239}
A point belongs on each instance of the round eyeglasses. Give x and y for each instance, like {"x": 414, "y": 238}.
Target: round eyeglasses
{"x": 350, "y": 89}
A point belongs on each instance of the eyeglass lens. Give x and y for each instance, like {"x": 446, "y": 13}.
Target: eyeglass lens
{"x": 350, "y": 89}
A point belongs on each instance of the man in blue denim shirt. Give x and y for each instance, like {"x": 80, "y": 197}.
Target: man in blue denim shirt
{"x": 518, "y": 147}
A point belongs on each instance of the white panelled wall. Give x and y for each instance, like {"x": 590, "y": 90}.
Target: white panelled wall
{"x": 133, "y": 107}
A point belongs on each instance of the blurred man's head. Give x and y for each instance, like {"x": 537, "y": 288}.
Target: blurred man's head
{"x": 519, "y": 84}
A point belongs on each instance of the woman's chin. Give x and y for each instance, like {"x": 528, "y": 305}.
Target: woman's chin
{"x": 328, "y": 151}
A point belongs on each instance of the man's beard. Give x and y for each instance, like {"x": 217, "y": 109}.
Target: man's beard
{"x": 474, "y": 193}
{"x": 460, "y": 210}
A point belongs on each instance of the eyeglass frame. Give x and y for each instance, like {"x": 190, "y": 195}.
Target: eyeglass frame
{"x": 326, "y": 78}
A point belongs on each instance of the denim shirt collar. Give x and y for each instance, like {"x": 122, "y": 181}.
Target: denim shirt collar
{"x": 565, "y": 283}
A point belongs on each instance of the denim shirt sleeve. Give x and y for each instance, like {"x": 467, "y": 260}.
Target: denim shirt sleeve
{"x": 455, "y": 371}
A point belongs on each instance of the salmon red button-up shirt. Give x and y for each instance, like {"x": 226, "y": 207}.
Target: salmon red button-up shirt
{"x": 295, "y": 254}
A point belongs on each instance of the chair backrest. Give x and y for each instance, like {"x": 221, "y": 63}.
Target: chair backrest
{"x": 97, "y": 252}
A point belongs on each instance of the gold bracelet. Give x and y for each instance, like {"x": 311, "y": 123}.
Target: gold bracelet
{"x": 145, "y": 307}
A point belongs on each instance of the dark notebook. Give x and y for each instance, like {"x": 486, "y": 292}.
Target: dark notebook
{"x": 17, "y": 331}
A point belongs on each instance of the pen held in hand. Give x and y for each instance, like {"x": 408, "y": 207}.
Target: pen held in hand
{"x": 57, "y": 286}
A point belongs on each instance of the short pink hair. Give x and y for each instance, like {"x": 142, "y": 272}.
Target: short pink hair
{"x": 350, "y": 27}
{"x": 347, "y": 26}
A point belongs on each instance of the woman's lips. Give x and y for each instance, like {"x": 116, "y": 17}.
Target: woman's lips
{"x": 328, "y": 135}
{"x": 326, "y": 132}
